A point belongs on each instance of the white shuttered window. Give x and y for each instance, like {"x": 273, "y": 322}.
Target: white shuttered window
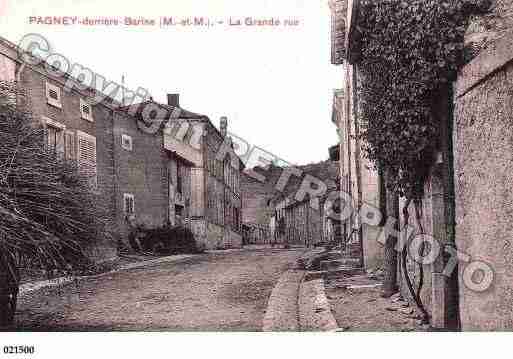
{"x": 86, "y": 156}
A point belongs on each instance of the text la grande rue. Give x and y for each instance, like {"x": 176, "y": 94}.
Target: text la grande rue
{"x": 251, "y": 21}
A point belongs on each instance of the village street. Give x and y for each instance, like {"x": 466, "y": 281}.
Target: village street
{"x": 211, "y": 292}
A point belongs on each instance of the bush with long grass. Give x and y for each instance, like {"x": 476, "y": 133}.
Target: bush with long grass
{"x": 48, "y": 212}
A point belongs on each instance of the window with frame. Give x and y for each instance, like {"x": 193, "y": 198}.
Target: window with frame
{"x": 86, "y": 110}
{"x": 126, "y": 142}
{"x": 54, "y": 136}
{"x": 53, "y": 95}
{"x": 128, "y": 203}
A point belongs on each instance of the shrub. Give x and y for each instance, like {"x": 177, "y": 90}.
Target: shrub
{"x": 48, "y": 213}
{"x": 169, "y": 239}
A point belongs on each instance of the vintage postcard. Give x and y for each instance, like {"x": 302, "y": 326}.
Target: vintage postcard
{"x": 173, "y": 170}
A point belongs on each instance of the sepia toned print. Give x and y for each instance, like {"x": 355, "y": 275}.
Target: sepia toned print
{"x": 375, "y": 194}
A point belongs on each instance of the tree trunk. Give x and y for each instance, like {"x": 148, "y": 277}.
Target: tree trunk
{"x": 390, "y": 254}
{"x": 9, "y": 286}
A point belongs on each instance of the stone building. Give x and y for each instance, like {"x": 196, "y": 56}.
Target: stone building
{"x": 216, "y": 184}
{"x": 299, "y": 220}
{"x": 153, "y": 183}
{"x": 257, "y": 208}
{"x": 185, "y": 171}
{"x": 302, "y": 222}
{"x": 257, "y": 196}
{"x": 358, "y": 178}
{"x": 75, "y": 129}
{"x": 468, "y": 200}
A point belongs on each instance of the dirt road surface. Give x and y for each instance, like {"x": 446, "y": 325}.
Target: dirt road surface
{"x": 211, "y": 292}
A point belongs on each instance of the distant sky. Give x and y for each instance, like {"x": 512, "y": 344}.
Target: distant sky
{"x": 274, "y": 85}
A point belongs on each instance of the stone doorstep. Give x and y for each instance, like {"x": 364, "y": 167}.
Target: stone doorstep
{"x": 344, "y": 271}
{"x": 340, "y": 272}
{"x": 329, "y": 264}
{"x": 364, "y": 286}
{"x": 333, "y": 255}
{"x": 306, "y": 260}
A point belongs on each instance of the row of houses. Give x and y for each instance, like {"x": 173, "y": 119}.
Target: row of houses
{"x": 275, "y": 215}
{"x": 467, "y": 201}
{"x": 183, "y": 172}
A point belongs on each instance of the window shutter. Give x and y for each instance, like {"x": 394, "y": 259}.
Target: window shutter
{"x": 53, "y": 95}
{"x": 70, "y": 146}
{"x": 86, "y": 156}
{"x": 129, "y": 203}
{"x": 86, "y": 110}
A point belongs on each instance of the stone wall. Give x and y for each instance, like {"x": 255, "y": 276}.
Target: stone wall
{"x": 372, "y": 249}
{"x": 483, "y": 150}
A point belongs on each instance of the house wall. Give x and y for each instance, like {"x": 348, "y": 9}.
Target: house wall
{"x": 483, "y": 151}
{"x": 34, "y": 83}
{"x": 141, "y": 172}
{"x": 146, "y": 170}
{"x": 256, "y": 196}
{"x": 358, "y": 177}
{"x": 303, "y": 224}
{"x": 223, "y": 197}
{"x": 215, "y": 195}
{"x": 7, "y": 69}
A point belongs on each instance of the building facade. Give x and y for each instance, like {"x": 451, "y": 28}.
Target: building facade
{"x": 358, "y": 178}
{"x": 76, "y": 129}
{"x": 170, "y": 175}
{"x": 306, "y": 221}
{"x": 467, "y": 202}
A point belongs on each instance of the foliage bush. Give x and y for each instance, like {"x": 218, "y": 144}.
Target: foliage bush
{"x": 167, "y": 240}
{"x": 409, "y": 50}
{"x": 48, "y": 213}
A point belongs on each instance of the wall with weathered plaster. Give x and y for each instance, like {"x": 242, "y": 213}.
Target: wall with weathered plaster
{"x": 256, "y": 196}
{"x": 372, "y": 249}
{"x": 483, "y": 148}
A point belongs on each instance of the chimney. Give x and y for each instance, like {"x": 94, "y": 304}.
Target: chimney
{"x": 223, "y": 126}
{"x": 173, "y": 100}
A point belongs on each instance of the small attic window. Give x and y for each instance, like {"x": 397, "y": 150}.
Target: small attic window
{"x": 86, "y": 110}
{"x": 53, "y": 95}
{"x": 126, "y": 142}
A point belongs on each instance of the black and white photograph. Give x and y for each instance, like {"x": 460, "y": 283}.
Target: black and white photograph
{"x": 255, "y": 178}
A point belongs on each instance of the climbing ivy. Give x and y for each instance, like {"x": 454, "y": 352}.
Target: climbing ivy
{"x": 409, "y": 50}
